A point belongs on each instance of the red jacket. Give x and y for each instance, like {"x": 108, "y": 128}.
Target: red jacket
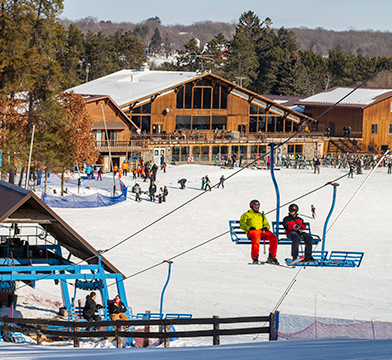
{"x": 289, "y": 221}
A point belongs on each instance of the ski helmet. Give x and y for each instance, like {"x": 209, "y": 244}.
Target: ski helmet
{"x": 255, "y": 205}
{"x": 293, "y": 207}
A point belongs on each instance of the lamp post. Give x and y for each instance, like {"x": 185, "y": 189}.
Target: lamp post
{"x": 87, "y": 71}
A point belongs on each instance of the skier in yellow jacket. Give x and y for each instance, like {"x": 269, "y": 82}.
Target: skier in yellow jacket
{"x": 256, "y": 226}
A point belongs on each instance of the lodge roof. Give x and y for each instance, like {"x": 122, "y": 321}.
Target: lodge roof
{"x": 127, "y": 87}
{"x": 23, "y": 206}
{"x": 360, "y": 98}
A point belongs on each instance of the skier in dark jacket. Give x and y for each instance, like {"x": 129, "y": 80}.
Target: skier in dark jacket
{"x": 90, "y": 308}
{"x": 222, "y": 181}
{"x": 182, "y": 182}
{"x": 152, "y": 190}
{"x": 294, "y": 226}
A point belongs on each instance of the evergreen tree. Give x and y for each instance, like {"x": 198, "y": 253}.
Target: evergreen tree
{"x": 72, "y": 61}
{"x": 216, "y": 54}
{"x": 156, "y": 42}
{"x": 191, "y": 58}
{"x": 242, "y": 61}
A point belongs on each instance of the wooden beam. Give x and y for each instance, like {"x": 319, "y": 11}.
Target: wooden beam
{"x": 29, "y": 221}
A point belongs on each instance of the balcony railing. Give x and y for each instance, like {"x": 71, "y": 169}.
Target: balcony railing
{"x": 121, "y": 144}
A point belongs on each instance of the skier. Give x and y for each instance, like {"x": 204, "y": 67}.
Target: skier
{"x": 352, "y": 168}
{"x": 137, "y": 190}
{"x": 152, "y": 190}
{"x": 90, "y": 307}
{"x": 207, "y": 183}
{"x": 389, "y": 167}
{"x": 294, "y": 226}
{"x": 99, "y": 177}
{"x": 316, "y": 162}
{"x": 222, "y": 181}
{"x": 313, "y": 210}
{"x": 203, "y": 181}
{"x": 165, "y": 193}
{"x": 182, "y": 182}
{"x": 160, "y": 196}
{"x": 256, "y": 226}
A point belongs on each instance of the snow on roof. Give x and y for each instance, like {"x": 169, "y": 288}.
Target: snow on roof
{"x": 126, "y": 86}
{"x": 359, "y": 98}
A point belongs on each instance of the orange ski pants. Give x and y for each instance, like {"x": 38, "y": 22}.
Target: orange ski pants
{"x": 255, "y": 235}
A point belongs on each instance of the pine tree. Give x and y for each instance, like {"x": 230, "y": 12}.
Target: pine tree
{"x": 156, "y": 42}
{"x": 242, "y": 61}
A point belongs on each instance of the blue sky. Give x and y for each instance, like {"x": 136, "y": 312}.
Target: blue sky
{"x": 336, "y": 15}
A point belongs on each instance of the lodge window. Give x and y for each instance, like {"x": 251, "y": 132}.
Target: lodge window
{"x": 183, "y": 122}
{"x": 176, "y": 153}
{"x": 257, "y": 150}
{"x": 389, "y": 129}
{"x": 374, "y": 129}
{"x": 143, "y": 121}
{"x": 202, "y": 96}
{"x": 200, "y": 153}
{"x": 201, "y": 122}
{"x": 242, "y": 149}
{"x": 294, "y": 149}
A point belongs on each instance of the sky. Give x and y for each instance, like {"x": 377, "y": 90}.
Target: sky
{"x": 338, "y": 15}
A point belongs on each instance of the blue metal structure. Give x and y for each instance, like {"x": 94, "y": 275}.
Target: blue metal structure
{"x": 167, "y": 282}
{"x": 20, "y": 260}
{"x": 272, "y": 145}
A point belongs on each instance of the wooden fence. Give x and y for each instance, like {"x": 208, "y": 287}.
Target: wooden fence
{"x": 71, "y": 329}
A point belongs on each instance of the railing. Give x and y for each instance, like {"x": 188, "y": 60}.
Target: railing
{"x": 70, "y": 329}
{"x": 121, "y": 144}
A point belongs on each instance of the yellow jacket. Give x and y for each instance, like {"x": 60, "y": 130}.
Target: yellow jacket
{"x": 253, "y": 219}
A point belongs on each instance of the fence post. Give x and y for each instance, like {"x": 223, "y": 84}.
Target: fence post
{"x": 167, "y": 339}
{"x": 216, "y": 330}
{"x": 146, "y": 341}
{"x": 39, "y": 335}
{"x": 118, "y": 338}
{"x": 76, "y": 340}
{"x": 274, "y": 325}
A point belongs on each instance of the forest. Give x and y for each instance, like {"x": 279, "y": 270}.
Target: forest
{"x": 42, "y": 55}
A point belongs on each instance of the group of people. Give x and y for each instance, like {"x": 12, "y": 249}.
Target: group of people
{"x": 256, "y": 227}
{"x": 116, "y": 309}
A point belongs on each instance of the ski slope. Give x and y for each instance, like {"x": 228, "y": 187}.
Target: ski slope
{"x": 210, "y": 274}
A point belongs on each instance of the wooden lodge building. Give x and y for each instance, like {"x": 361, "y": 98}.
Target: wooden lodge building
{"x": 178, "y": 114}
{"x": 368, "y": 111}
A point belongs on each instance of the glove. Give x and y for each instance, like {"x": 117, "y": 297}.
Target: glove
{"x": 296, "y": 227}
{"x": 264, "y": 229}
{"x": 99, "y": 306}
{"x": 252, "y": 228}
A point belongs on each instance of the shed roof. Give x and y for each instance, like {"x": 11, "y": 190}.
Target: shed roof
{"x": 360, "y": 98}
{"x": 23, "y": 206}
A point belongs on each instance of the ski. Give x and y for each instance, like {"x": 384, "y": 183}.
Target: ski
{"x": 291, "y": 262}
{"x": 266, "y": 263}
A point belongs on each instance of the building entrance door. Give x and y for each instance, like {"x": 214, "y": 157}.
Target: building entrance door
{"x": 158, "y": 153}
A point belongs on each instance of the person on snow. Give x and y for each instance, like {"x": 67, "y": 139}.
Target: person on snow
{"x": 152, "y": 190}
{"x": 90, "y": 308}
{"x": 256, "y": 227}
{"x": 182, "y": 183}
{"x": 313, "y": 210}
{"x": 99, "y": 177}
{"x": 316, "y": 163}
{"x": 203, "y": 181}
{"x": 117, "y": 309}
{"x": 352, "y": 168}
{"x": 165, "y": 193}
{"x": 294, "y": 227}
{"x": 160, "y": 196}
{"x": 137, "y": 190}
{"x": 222, "y": 181}
{"x": 207, "y": 183}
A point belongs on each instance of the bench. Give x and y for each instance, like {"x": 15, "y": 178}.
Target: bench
{"x": 239, "y": 237}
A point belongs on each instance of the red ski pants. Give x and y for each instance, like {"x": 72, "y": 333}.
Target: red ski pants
{"x": 255, "y": 235}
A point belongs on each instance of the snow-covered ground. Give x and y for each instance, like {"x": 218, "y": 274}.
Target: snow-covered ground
{"x": 215, "y": 279}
